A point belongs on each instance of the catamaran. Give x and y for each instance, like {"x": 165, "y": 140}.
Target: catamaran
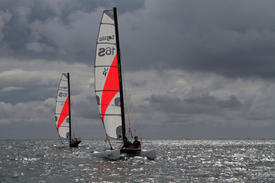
{"x": 63, "y": 111}
{"x": 109, "y": 88}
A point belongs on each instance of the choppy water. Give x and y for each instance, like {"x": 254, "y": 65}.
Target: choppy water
{"x": 178, "y": 161}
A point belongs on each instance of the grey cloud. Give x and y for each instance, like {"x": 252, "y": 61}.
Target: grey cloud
{"x": 12, "y": 88}
{"x": 25, "y": 93}
{"x": 84, "y": 106}
{"x": 26, "y": 112}
{"x": 234, "y": 39}
{"x": 193, "y": 106}
{"x": 25, "y": 86}
{"x": 38, "y": 80}
{"x": 5, "y": 17}
{"x": 53, "y": 29}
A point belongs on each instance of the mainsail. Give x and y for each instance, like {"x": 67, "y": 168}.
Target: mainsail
{"x": 62, "y": 107}
{"x": 108, "y": 86}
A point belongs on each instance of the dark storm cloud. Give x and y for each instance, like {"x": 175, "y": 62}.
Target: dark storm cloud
{"x": 231, "y": 38}
{"x": 53, "y": 29}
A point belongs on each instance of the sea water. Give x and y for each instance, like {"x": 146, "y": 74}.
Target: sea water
{"x": 177, "y": 161}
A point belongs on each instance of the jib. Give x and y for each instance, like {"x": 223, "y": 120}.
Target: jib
{"x": 106, "y": 51}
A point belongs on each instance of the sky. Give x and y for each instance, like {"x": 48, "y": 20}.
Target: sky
{"x": 192, "y": 69}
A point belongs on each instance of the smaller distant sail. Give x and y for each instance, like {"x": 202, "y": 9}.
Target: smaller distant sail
{"x": 62, "y": 107}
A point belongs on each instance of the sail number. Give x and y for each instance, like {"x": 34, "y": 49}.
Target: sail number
{"x": 61, "y": 94}
{"x": 106, "y": 51}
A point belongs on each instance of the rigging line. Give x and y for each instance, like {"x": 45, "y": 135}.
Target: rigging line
{"x": 74, "y": 128}
{"x": 59, "y": 137}
{"x": 130, "y": 107}
{"x": 109, "y": 142}
{"x": 125, "y": 89}
{"x": 127, "y": 106}
{"x": 130, "y": 110}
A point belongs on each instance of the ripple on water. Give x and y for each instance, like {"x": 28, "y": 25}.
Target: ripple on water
{"x": 177, "y": 161}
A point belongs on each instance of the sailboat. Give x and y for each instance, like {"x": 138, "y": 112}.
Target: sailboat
{"x": 109, "y": 88}
{"x": 63, "y": 111}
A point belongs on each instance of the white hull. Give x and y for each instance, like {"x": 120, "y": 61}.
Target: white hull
{"x": 150, "y": 154}
{"x": 116, "y": 155}
{"x": 108, "y": 154}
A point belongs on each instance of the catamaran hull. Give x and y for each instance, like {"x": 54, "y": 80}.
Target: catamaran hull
{"x": 150, "y": 154}
{"x": 118, "y": 154}
{"x": 108, "y": 154}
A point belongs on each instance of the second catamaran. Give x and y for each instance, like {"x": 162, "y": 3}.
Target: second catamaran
{"x": 63, "y": 111}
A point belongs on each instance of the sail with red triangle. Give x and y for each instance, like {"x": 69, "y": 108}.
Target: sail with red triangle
{"x": 107, "y": 74}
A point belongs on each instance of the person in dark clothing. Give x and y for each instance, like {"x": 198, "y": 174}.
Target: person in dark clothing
{"x": 136, "y": 143}
{"x": 127, "y": 144}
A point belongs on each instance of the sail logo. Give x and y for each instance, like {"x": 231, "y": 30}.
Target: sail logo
{"x": 106, "y": 51}
{"x": 61, "y": 94}
{"x": 106, "y": 38}
{"x": 105, "y": 72}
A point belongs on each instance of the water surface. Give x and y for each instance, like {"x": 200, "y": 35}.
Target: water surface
{"x": 178, "y": 161}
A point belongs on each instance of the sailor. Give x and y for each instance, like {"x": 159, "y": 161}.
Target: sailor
{"x": 127, "y": 144}
{"x": 136, "y": 143}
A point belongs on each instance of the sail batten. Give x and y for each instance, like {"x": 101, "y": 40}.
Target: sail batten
{"x": 107, "y": 83}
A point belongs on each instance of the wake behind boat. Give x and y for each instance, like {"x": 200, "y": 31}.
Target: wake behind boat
{"x": 63, "y": 111}
{"x": 109, "y": 89}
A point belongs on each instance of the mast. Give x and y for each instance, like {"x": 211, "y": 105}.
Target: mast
{"x": 120, "y": 76}
{"x": 69, "y": 97}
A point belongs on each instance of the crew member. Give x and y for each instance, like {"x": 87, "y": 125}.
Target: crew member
{"x": 136, "y": 143}
{"x": 127, "y": 144}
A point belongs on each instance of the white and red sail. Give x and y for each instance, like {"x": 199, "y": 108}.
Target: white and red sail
{"x": 62, "y": 108}
{"x": 107, "y": 87}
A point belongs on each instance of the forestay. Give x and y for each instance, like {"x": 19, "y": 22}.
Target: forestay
{"x": 107, "y": 86}
{"x": 62, "y": 108}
